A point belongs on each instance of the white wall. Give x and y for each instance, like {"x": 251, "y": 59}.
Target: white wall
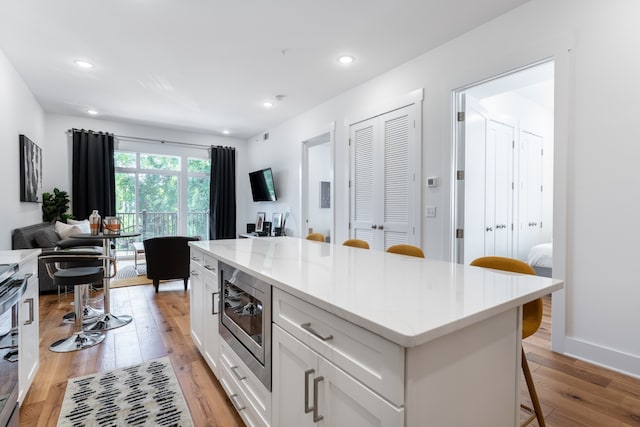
{"x": 596, "y": 154}
{"x": 58, "y": 160}
{"x": 20, "y": 113}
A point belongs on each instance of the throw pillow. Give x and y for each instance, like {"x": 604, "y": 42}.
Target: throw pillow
{"x": 46, "y": 238}
{"x": 66, "y": 230}
{"x": 84, "y": 225}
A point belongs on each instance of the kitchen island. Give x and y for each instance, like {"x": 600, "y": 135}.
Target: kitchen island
{"x": 365, "y": 337}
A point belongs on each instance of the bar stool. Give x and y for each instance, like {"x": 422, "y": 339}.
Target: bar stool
{"x": 356, "y": 243}
{"x": 80, "y": 278}
{"x": 318, "y": 237}
{"x": 531, "y": 319}
{"x": 406, "y": 250}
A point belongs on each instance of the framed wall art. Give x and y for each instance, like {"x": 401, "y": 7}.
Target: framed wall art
{"x": 260, "y": 222}
{"x": 30, "y": 170}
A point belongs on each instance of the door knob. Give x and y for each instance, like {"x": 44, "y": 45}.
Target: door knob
{"x": 489, "y": 229}
{"x": 374, "y": 226}
{"x": 380, "y": 227}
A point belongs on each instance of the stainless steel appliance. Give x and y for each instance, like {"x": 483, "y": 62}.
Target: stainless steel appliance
{"x": 245, "y": 319}
{"x": 11, "y": 289}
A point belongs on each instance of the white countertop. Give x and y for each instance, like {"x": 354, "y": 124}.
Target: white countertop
{"x": 19, "y": 256}
{"x": 407, "y": 300}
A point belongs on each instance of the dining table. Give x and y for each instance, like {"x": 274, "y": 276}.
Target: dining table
{"x": 107, "y": 320}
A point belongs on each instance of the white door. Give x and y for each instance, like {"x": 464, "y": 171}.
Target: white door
{"x": 472, "y": 150}
{"x": 385, "y": 197}
{"x": 531, "y": 190}
{"x": 499, "y": 189}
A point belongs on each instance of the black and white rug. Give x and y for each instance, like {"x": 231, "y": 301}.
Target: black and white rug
{"x": 147, "y": 394}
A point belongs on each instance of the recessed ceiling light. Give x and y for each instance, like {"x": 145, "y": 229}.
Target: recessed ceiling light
{"x": 83, "y": 64}
{"x": 92, "y": 112}
{"x": 268, "y": 104}
{"x": 346, "y": 59}
{"x": 226, "y": 131}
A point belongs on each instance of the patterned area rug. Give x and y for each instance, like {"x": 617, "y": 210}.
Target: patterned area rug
{"x": 147, "y": 394}
{"x": 128, "y": 276}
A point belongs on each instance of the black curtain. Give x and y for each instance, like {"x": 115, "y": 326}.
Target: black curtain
{"x": 222, "y": 194}
{"x": 93, "y": 181}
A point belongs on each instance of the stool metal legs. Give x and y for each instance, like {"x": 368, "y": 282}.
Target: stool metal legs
{"x": 80, "y": 339}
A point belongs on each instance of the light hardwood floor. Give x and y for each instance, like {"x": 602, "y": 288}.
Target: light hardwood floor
{"x": 572, "y": 392}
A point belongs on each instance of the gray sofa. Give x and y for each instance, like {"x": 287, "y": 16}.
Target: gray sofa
{"x": 44, "y": 236}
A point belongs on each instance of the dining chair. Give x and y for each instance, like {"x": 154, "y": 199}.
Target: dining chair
{"x": 356, "y": 243}
{"x": 531, "y": 319}
{"x": 406, "y": 250}
{"x": 318, "y": 237}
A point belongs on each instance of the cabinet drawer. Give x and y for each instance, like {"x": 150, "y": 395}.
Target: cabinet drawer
{"x": 197, "y": 256}
{"x": 253, "y": 393}
{"x": 210, "y": 264}
{"x": 373, "y": 360}
{"x": 239, "y": 400}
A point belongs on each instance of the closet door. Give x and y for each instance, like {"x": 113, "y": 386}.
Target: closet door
{"x": 383, "y": 188}
{"x": 530, "y": 206}
{"x": 499, "y": 189}
{"x": 363, "y": 139}
{"x": 397, "y": 145}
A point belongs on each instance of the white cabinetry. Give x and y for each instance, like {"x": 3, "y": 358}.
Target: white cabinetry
{"x": 28, "y": 335}
{"x": 328, "y": 371}
{"x": 248, "y": 395}
{"x": 204, "y": 299}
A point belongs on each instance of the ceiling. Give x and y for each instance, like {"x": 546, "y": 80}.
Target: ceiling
{"x": 208, "y": 65}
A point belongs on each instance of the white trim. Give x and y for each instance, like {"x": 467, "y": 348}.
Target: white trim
{"x": 415, "y": 97}
{"x": 615, "y": 360}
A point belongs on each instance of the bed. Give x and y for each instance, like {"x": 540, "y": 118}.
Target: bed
{"x": 541, "y": 259}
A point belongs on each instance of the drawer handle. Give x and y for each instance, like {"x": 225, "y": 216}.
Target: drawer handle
{"x": 30, "y": 302}
{"x": 234, "y": 369}
{"x": 208, "y": 267}
{"x": 307, "y": 374}
{"x": 194, "y": 273}
{"x": 195, "y": 258}
{"x": 316, "y": 417}
{"x": 307, "y": 327}
{"x": 234, "y": 401}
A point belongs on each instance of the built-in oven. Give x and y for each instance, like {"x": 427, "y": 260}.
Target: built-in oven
{"x": 245, "y": 319}
{"x": 11, "y": 289}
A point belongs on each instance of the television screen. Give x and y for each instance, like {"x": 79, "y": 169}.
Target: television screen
{"x": 262, "y": 187}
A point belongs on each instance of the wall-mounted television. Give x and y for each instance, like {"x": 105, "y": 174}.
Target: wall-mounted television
{"x": 262, "y": 187}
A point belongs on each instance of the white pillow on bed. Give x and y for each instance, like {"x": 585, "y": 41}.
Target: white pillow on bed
{"x": 541, "y": 256}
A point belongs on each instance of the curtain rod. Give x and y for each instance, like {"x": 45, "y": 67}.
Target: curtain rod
{"x": 137, "y": 138}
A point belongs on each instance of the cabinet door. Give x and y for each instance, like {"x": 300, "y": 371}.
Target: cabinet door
{"x": 210, "y": 327}
{"x": 346, "y": 402}
{"x": 196, "y": 292}
{"x": 28, "y": 320}
{"x": 294, "y": 367}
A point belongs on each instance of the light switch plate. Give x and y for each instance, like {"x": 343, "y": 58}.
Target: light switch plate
{"x": 432, "y": 181}
{"x": 431, "y": 211}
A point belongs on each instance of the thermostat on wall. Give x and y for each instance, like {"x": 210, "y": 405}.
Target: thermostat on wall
{"x": 432, "y": 181}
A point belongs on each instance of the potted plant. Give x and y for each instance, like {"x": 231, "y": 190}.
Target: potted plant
{"x": 55, "y": 206}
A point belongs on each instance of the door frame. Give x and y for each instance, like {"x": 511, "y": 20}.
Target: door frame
{"x": 323, "y": 138}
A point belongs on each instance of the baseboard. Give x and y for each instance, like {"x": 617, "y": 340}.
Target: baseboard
{"x": 624, "y": 363}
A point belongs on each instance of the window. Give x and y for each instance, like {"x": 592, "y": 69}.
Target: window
{"x": 162, "y": 195}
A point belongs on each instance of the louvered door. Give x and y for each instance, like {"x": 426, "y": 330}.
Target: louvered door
{"x": 383, "y": 211}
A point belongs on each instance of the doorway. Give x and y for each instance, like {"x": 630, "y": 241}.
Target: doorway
{"x": 317, "y": 187}
{"x": 504, "y": 190}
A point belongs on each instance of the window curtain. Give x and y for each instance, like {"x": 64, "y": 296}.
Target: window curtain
{"x": 222, "y": 194}
{"x": 93, "y": 180}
